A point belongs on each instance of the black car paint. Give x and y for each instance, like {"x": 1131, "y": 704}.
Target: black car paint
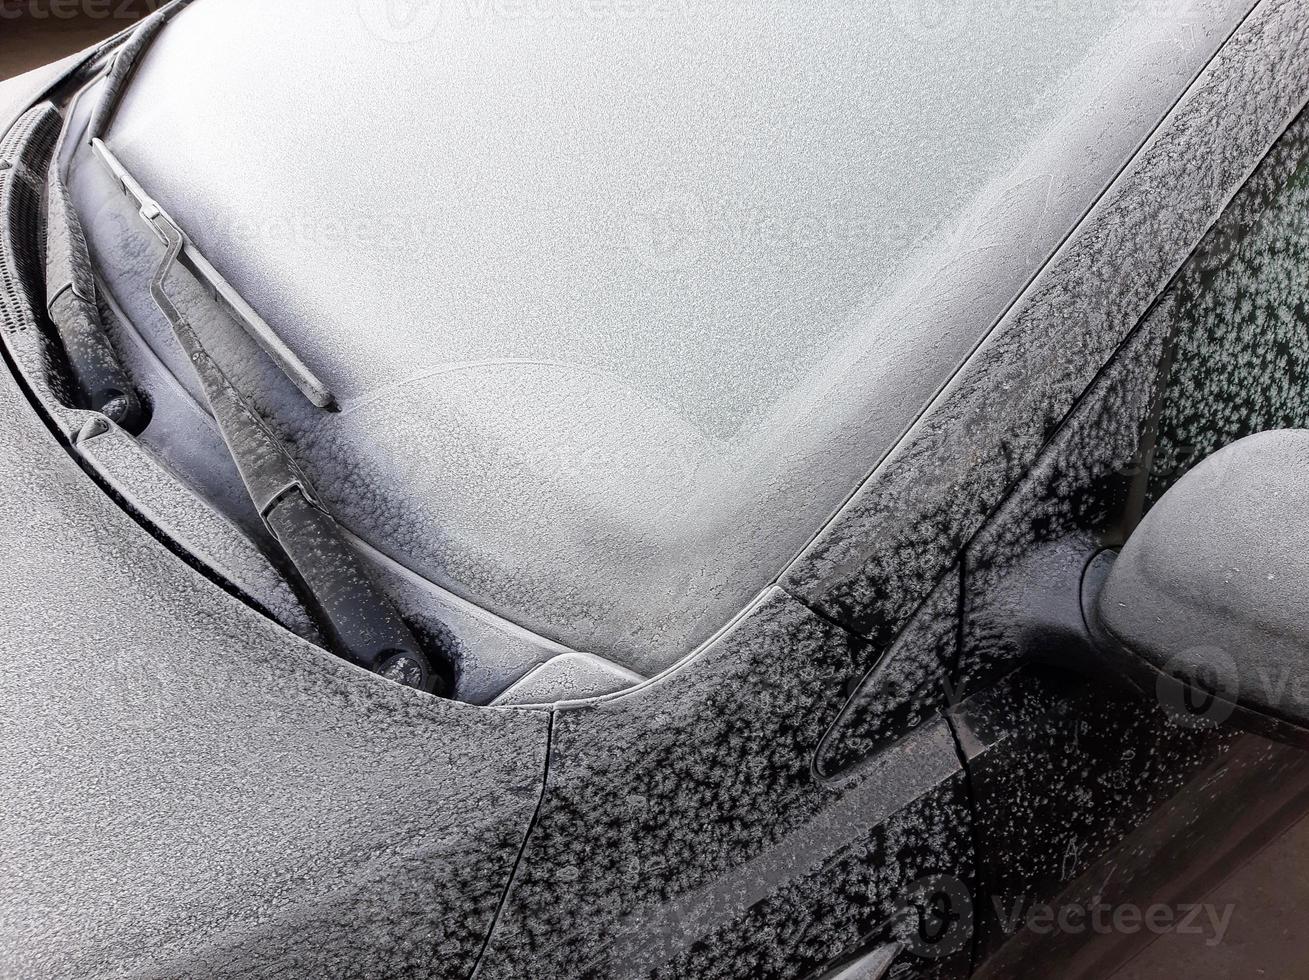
{"x": 687, "y": 828}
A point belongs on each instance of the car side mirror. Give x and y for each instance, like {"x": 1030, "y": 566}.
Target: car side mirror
{"x": 1209, "y": 598}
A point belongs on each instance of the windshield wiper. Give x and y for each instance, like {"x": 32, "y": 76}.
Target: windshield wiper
{"x": 125, "y": 61}
{"x": 71, "y": 305}
{"x": 361, "y": 622}
{"x": 222, "y": 292}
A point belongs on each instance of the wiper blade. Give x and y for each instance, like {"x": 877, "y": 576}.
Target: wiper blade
{"x": 363, "y": 625}
{"x": 125, "y": 60}
{"x": 71, "y": 305}
{"x": 222, "y": 291}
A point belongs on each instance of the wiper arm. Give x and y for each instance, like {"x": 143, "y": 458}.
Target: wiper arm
{"x": 363, "y": 625}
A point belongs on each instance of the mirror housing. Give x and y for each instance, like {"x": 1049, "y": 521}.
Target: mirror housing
{"x": 1209, "y": 598}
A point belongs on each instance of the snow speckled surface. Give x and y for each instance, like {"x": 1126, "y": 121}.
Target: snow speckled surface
{"x": 264, "y": 810}
{"x": 191, "y": 790}
{"x": 683, "y": 834}
{"x": 905, "y": 526}
{"x": 621, "y": 308}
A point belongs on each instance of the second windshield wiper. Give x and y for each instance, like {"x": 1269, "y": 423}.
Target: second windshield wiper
{"x": 363, "y": 625}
